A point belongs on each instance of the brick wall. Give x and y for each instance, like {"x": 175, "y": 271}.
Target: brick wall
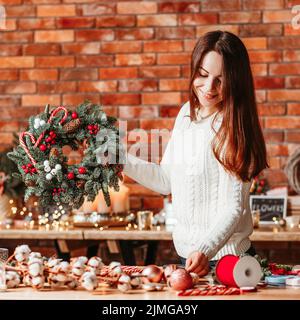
{"x": 133, "y": 57}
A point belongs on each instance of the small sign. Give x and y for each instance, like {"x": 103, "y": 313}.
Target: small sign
{"x": 270, "y": 207}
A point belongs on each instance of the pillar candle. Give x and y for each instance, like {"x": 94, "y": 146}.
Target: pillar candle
{"x": 88, "y": 206}
{"x": 101, "y": 204}
{"x": 120, "y": 199}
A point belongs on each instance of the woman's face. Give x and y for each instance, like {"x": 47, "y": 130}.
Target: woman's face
{"x": 208, "y": 82}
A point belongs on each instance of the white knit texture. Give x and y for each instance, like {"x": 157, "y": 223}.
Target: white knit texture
{"x": 211, "y": 206}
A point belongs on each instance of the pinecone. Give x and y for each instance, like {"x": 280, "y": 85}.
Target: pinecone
{"x": 72, "y": 125}
{"x": 54, "y": 152}
{"x": 80, "y": 184}
{"x": 29, "y": 183}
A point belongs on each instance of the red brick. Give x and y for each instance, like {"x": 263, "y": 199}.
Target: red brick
{"x": 173, "y": 84}
{"x": 178, "y": 58}
{"x": 159, "y": 72}
{"x": 169, "y": 111}
{"x": 259, "y": 69}
{"x": 277, "y": 16}
{"x": 9, "y": 126}
{"x": 260, "y": 95}
{"x": 271, "y": 109}
{"x": 291, "y": 55}
{"x": 292, "y": 136}
{"x": 36, "y": 23}
{"x": 272, "y": 136}
{"x": 79, "y": 74}
{"x": 175, "y": 33}
{"x": 265, "y": 56}
{"x": 136, "y": 7}
{"x": 16, "y": 62}
{"x": 294, "y": 109}
{"x": 161, "y": 98}
{"x": 274, "y": 162}
{"x": 135, "y": 59}
{"x": 36, "y": 74}
{"x": 97, "y": 9}
{"x": 158, "y": 20}
{"x": 186, "y": 71}
{"x": 115, "y": 21}
{"x": 263, "y": 4}
{"x": 284, "y": 95}
{"x": 56, "y": 11}
{"x": 157, "y": 124}
{"x": 94, "y": 35}
{"x": 75, "y": 22}
{"x": 42, "y": 1}
{"x": 8, "y": 103}
{"x": 179, "y": 7}
{"x": 40, "y": 100}
{"x": 284, "y": 42}
{"x": 9, "y": 75}
{"x": 201, "y": 30}
{"x": 291, "y": 3}
{"x": 19, "y": 87}
{"x": 134, "y": 33}
{"x": 10, "y": 2}
{"x": 97, "y": 86}
{"x": 41, "y": 49}
{"x": 268, "y": 82}
{"x": 54, "y": 36}
{"x": 117, "y": 73}
{"x": 121, "y": 46}
{"x": 95, "y": 61}
{"x": 138, "y": 112}
{"x": 152, "y": 203}
{"x": 20, "y": 11}
{"x": 10, "y": 24}
{"x": 163, "y": 46}
{"x": 76, "y": 99}
{"x": 55, "y": 62}
{"x": 56, "y": 87}
{"x": 260, "y": 30}
{"x": 255, "y": 43}
{"x": 275, "y": 177}
{"x": 289, "y": 30}
{"x": 137, "y": 85}
{"x": 240, "y": 17}
{"x": 195, "y": 19}
{"x": 17, "y": 36}
{"x": 6, "y": 138}
{"x": 282, "y": 123}
{"x": 284, "y": 68}
{"x": 121, "y": 99}
{"x": 220, "y": 5}
{"x": 111, "y": 111}
{"x": 10, "y": 50}
{"x": 81, "y": 48}
{"x": 292, "y": 82}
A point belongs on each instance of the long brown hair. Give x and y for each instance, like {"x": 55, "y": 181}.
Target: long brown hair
{"x": 239, "y": 143}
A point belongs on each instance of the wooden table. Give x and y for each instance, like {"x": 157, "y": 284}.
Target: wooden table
{"x": 167, "y": 294}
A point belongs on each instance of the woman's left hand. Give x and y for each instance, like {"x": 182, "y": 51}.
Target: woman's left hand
{"x": 197, "y": 262}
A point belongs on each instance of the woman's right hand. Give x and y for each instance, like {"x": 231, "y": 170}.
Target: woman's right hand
{"x": 197, "y": 262}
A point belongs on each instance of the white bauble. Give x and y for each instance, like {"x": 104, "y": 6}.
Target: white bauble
{"x": 53, "y": 172}
{"x": 49, "y": 176}
{"x": 58, "y": 166}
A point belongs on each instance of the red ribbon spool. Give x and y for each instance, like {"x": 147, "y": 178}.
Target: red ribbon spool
{"x": 234, "y": 271}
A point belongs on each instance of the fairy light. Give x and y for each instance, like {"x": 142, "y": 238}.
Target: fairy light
{"x": 11, "y": 201}
{"x": 22, "y": 213}
{"x": 24, "y": 209}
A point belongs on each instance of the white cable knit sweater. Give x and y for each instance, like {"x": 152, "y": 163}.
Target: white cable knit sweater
{"x": 211, "y": 206}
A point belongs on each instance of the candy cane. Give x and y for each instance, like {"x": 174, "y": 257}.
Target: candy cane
{"x": 24, "y": 146}
{"x": 52, "y": 116}
{"x": 209, "y": 291}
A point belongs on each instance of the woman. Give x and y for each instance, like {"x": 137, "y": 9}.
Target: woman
{"x": 210, "y": 179}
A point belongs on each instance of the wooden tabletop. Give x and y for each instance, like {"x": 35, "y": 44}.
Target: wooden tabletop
{"x": 160, "y": 233}
{"x": 27, "y": 293}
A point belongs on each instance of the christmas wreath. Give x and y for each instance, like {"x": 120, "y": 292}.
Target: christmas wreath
{"x": 44, "y": 168}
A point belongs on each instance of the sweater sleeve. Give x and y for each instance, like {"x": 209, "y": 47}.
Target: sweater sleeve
{"x": 151, "y": 175}
{"x": 224, "y": 225}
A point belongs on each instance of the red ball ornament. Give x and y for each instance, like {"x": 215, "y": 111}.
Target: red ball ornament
{"x": 152, "y": 273}
{"x": 71, "y": 175}
{"x": 43, "y": 147}
{"x": 24, "y": 166}
{"x": 74, "y": 115}
{"x": 180, "y": 279}
{"x": 82, "y": 170}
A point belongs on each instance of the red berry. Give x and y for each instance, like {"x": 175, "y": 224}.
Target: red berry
{"x": 74, "y": 115}
{"x": 49, "y": 139}
{"x": 82, "y": 170}
{"x": 33, "y": 170}
{"x": 53, "y": 141}
{"x": 51, "y": 133}
{"x": 24, "y": 166}
{"x": 91, "y": 131}
{"x": 90, "y": 127}
{"x": 43, "y": 147}
{"x": 71, "y": 175}
{"x": 26, "y": 170}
